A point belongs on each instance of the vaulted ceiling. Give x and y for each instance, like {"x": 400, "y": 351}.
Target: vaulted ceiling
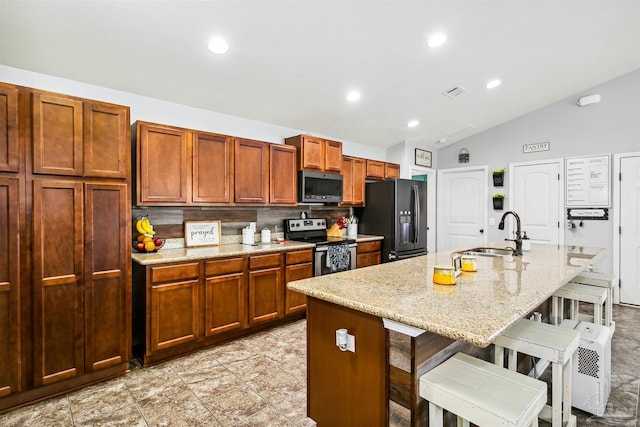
{"x": 291, "y": 63}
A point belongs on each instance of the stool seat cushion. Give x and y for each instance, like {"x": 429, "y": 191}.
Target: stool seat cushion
{"x": 540, "y": 340}
{"x": 483, "y": 393}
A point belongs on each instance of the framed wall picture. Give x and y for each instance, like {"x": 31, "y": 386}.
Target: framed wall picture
{"x": 201, "y": 233}
{"x": 423, "y": 158}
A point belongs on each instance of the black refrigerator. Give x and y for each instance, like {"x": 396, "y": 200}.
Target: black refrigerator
{"x": 397, "y": 210}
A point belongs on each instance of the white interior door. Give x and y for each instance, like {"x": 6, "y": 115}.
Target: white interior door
{"x": 535, "y": 195}
{"x": 461, "y": 208}
{"x": 630, "y": 230}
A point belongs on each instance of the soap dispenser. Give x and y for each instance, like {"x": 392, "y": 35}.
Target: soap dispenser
{"x": 526, "y": 242}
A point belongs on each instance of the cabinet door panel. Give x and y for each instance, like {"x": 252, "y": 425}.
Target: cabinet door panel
{"x": 8, "y": 128}
{"x": 283, "y": 179}
{"x": 106, "y": 140}
{"x": 347, "y": 181}
{"x": 375, "y": 169}
{"x": 212, "y": 168}
{"x": 57, "y": 135}
{"x": 225, "y": 306}
{"x": 174, "y": 314}
{"x": 57, "y": 274}
{"x": 295, "y": 301}
{"x": 251, "y": 171}
{"x": 333, "y": 156}
{"x": 358, "y": 179}
{"x": 9, "y": 281}
{"x": 162, "y": 175}
{"x": 107, "y": 294}
{"x": 265, "y": 295}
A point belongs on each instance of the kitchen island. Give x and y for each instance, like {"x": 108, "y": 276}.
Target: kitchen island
{"x": 353, "y": 388}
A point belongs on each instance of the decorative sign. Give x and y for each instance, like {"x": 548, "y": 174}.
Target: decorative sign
{"x": 588, "y": 181}
{"x": 538, "y": 146}
{"x": 423, "y": 158}
{"x": 582, "y": 214}
{"x": 201, "y": 233}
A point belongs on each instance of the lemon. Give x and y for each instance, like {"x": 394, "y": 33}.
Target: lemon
{"x": 149, "y": 246}
{"x": 141, "y": 238}
{"x": 146, "y": 239}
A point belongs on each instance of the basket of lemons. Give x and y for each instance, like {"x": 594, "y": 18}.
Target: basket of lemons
{"x": 147, "y": 241}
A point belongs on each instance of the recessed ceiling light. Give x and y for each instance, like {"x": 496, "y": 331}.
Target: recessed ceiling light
{"x": 493, "y": 83}
{"x": 436, "y": 40}
{"x": 441, "y": 141}
{"x": 413, "y": 123}
{"x": 353, "y": 95}
{"x": 218, "y": 45}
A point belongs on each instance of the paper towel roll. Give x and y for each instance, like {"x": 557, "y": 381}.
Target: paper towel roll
{"x": 266, "y": 235}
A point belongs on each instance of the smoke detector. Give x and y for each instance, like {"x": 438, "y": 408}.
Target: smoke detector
{"x": 454, "y": 91}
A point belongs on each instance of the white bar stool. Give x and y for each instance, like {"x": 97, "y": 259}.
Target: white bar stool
{"x": 577, "y": 293}
{"x": 548, "y": 342}
{"x": 603, "y": 281}
{"x": 484, "y": 394}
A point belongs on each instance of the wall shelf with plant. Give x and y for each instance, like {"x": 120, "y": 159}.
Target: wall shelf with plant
{"x": 498, "y": 201}
{"x": 498, "y": 178}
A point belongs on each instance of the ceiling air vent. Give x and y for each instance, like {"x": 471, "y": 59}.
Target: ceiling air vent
{"x": 454, "y": 91}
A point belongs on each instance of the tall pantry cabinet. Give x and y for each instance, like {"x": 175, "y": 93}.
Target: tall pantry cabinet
{"x": 65, "y": 285}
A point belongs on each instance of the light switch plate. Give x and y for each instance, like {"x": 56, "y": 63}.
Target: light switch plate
{"x": 492, "y": 221}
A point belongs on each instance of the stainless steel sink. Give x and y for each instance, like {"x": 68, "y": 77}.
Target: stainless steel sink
{"x": 488, "y": 251}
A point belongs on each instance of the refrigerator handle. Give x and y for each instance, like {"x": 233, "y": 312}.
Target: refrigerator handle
{"x": 416, "y": 213}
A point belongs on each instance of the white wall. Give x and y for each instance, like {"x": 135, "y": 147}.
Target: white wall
{"x": 154, "y": 110}
{"x": 610, "y": 127}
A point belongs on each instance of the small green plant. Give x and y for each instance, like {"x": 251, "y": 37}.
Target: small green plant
{"x": 498, "y": 172}
{"x": 498, "y": 196}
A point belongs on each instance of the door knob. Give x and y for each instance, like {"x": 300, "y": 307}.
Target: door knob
{"x": 482, "y": 231}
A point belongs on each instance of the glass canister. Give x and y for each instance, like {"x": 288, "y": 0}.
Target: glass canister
{"x": 468, "y": 263}
{"x": 444, "y": 275}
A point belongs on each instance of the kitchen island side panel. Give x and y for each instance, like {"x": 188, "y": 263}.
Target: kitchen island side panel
{"x": 346, "y": 388}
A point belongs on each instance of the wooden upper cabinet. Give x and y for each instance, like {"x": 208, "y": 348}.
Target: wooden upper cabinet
{"x": 57, "y": 135}
{"x": 162, "y": 173}
{"x": 332, "y": 156}
{"x": 391, "y": 170}
{"x": 283, "y": 179}
{"x": 77, "y": 137}
{"x": 316, "y": 153}
{"x": 8, "y": 128}
{"x": 212, "y": 173}
{"x": 106, "y": 140}
{"x": 251, "y": 171}
{"x": 353, "y": 181}
{"x": 375, "y": 169}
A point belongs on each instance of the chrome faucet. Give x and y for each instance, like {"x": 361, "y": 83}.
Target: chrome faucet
{"x": 518, "y": 239}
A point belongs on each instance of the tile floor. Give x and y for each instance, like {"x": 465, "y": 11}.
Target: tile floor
{"x": 260, "y": 381}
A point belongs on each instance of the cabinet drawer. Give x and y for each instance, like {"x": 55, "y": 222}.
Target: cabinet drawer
{"x": 264, "y": 261}
{"x": 297, "y": 257}
{"x": 175, "y": 272}
{"x": 224, "y": 266}
{"x": 368, "y": 247}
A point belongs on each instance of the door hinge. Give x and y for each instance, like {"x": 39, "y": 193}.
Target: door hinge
{"x": 558, "y": 177}
{"x": 558, "y": 224}
{"x": 619, "y": 176}
{"x": 619, "y": 229}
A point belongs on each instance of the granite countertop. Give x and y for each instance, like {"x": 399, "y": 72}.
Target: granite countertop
{"x": 477, "y": 309}
{"x": 206, "y": 252}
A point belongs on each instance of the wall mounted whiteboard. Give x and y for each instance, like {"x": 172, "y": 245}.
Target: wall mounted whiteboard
{"x": 588, "y": 181}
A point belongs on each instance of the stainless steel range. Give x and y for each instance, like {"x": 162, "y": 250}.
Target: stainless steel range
{"x": 331, "y": 254}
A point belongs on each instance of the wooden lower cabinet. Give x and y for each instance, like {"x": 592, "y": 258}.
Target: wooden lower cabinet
{"x": 368, "y": 253}
{"x": 299, "y": 265}
{"x": 9, "y": 286}
{"x": 182, "y": 307}
{"x": 265, "y": 288}
{"x": 225, "y": 295}
{"x": 175, "y": 305}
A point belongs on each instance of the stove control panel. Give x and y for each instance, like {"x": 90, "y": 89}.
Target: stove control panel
{"x": 308, "y": 224}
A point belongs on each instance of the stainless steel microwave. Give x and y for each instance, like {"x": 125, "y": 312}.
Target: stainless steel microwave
{"x": 319, "y": 187}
